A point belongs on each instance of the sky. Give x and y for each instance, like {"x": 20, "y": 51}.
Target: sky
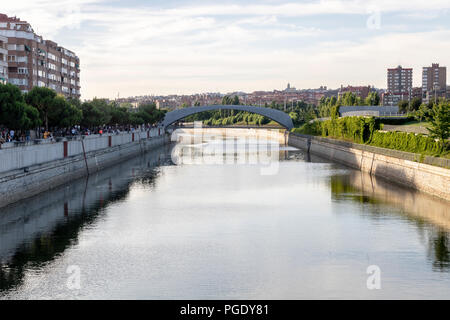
{"x": 158, "y": 47}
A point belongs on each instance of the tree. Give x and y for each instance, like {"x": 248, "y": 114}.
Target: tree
{"x": 423, "y": 113}
{"x": 349, "y": 99}
{"x": 326, "y": 105}
{"x": 120, "y": 116}
{"x": 236, "y": 101}
{"x": 14, "y": 112}
{"x": 105, "y": 109}
{"x": 136, "y": 119}
{"x": 403, "y": 106}
{"x": 71, "y": 116}
{"x": 151, "y": 114}
{"x": 31, "y": 119}
{"x": 295, "y": 118}
{"x": 92, "y": 115}
{"x": 11, "y": 106}
{"x": 227, "y": 100}
{"x": 373, "y": 99}
{"x": 335, "y": 112}
{"x": 56, "y": 108}
{"x": 440, "y": 121}
{"x": 415, "y": 104}
{"x": 42, "y": 99}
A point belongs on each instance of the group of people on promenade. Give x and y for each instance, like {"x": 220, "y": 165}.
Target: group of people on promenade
{"x": 9, "y": 135}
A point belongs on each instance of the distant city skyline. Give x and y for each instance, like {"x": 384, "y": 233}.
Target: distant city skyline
{"x": 187, "y": 47}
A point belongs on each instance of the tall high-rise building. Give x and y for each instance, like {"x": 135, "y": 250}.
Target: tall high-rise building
{"x": 3, "y": 60}
{"x": 434, "y": 82}
{"x": 33, "y": 61}
{"x": 399, "y": 84}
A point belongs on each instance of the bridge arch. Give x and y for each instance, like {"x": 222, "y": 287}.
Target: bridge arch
{"x": 276, "y": 115}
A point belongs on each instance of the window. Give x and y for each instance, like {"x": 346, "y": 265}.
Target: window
{"x": 16, "y": 47}
{"x": 23, "y": 71}
{"x": 41, "y": 84}
{"x": 22, "y": 59}
{"x": 18, "y": 82}
{"x": 12, "y": 58}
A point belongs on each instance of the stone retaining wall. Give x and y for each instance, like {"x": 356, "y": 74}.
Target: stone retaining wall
{"x": 398, "y": 167}
{"x": 29, "y": 170}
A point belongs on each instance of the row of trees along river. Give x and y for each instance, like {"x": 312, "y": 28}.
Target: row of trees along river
{"x": 42, "y": 107}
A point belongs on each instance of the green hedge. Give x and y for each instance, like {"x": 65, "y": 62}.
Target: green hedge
{"x": 365, "y": 130}
{"x": 409, "y": 142}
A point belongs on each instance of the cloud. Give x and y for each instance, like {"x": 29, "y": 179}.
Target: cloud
{"x": 164, "y": 49}
{"x": 305, "y": 8}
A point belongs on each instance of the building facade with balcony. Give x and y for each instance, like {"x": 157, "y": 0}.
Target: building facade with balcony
{"x": 3, "y": 60}
{"x": 33, "y": 61}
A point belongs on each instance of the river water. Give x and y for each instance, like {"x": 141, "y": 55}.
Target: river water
{"x": 155, "y": 227}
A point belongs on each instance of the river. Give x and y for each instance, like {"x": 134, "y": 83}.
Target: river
{"x": 227, "y": 227}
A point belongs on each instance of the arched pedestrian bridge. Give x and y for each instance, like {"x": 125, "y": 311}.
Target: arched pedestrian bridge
{"x": 278, "y": 116}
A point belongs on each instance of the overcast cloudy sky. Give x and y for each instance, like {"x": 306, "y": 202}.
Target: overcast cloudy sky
{"x": 138, "y": 47}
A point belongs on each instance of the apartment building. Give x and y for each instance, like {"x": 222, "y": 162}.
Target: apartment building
{"x": 3, "y": 60}
{"x": 434, "y": 82}
{"x": 33, "y": 61}
{"x": 400, "y": 85}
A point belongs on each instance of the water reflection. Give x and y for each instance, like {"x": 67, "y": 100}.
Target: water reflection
{"x": 37, "y": 231}
{"x": 216, "y": 231}
{"x": 419, "y": 208}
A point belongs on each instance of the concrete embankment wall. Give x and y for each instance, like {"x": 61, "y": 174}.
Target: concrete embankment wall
{"x": 34, "y": 168}
{"x": 397, "y": 167}
{"x": 22, "y": 222}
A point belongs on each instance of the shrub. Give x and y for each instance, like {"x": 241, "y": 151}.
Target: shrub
{"x": 357, "y": 129}
{"x": 310, "y": 128}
